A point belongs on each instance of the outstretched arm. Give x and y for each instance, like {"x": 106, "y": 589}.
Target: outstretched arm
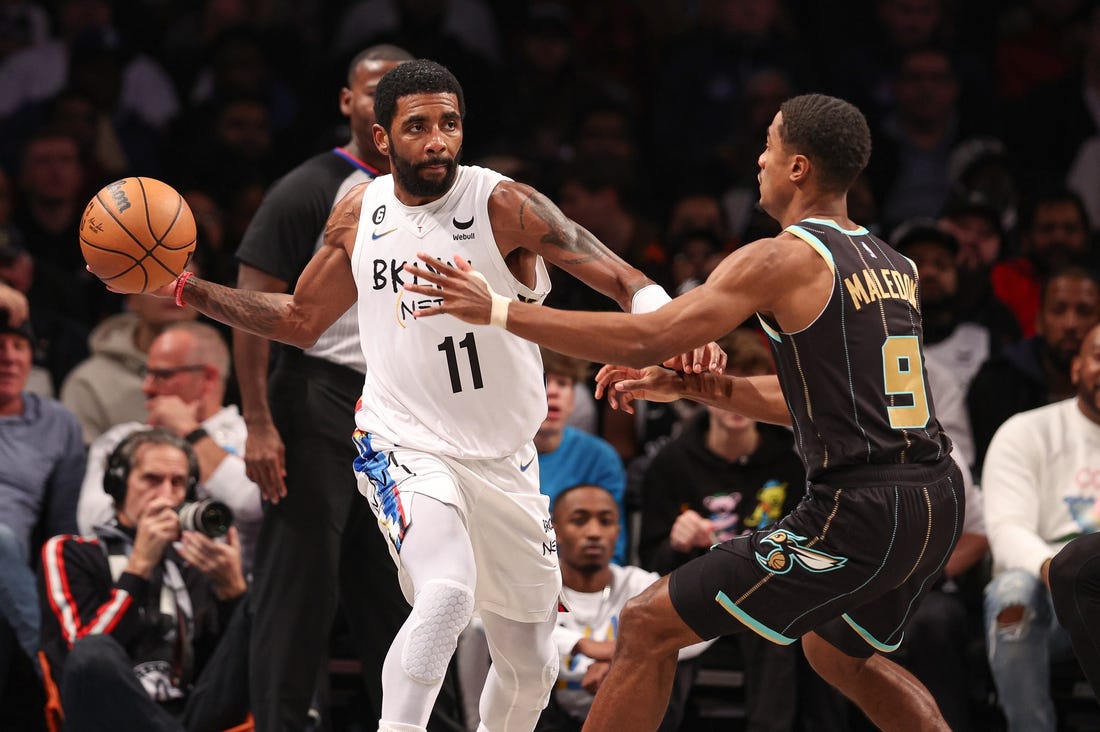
{"x": 757, "y": 397}
{"x": 746, "y": 281}
{"x": 324, "y": 292}
{"x": 524, "y": 219}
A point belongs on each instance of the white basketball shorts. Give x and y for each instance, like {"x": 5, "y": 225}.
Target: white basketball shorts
{"x": 499, "y": 502}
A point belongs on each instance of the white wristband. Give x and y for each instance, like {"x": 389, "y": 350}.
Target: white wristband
{"x": 498, "y": 315}
{"x": 648, "y": 299}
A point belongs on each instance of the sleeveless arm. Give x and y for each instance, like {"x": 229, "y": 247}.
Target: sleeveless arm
{"x": 324, "y": 292}
{"x": 524, "y": 218}
{"x": 769, "y": 276}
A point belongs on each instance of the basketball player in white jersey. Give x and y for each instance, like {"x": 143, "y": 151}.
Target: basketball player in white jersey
{"x": 449, "y": 410}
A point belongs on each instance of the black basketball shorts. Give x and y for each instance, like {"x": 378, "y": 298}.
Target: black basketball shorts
{"x": 851, "y": 562}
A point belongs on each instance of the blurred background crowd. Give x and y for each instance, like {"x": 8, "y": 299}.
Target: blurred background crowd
{"x": 643, "y": 120}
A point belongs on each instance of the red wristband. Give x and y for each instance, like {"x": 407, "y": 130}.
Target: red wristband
{"x": 180, "y": 282}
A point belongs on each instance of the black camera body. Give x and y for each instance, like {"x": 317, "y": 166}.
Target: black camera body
{"x": 207, "y": 516}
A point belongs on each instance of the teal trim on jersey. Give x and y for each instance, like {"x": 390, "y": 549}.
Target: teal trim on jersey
{"x": 860, "y": 231}
{"x": 815, "y": 243}
{"x": 751, "y": 623}
{"x": 911, "y": 264}
{"x": 772, "y": 333}
{"x": 871, "y": 640}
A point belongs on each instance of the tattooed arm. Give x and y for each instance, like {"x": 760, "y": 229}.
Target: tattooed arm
{"x": 524, "y": 219}
{"x": 324, "y": 292}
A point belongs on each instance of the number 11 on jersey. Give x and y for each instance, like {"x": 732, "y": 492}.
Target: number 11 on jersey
{"x": 467, "y": 344}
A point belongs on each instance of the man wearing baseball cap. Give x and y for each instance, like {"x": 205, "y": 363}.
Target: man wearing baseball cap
{"x": 961, "y": 346}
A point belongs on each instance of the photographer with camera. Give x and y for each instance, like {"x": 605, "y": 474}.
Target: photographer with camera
{"x": 185, "y": 378}
{"x": 137, "y": 621}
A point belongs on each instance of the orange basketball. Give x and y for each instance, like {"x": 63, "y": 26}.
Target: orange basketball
{"x": 137, "y": 234}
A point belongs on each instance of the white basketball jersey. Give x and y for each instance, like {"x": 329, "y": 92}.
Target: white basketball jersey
{"x": 439, "y": 384}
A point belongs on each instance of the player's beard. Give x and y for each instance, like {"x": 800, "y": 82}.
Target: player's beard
{"x": 408, "y": 175}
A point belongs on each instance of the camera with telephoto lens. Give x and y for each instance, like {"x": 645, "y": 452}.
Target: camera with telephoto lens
{"x": 207, "y": 516}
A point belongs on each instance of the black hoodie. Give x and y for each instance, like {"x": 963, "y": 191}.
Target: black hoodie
{"x": 739, "y": 497}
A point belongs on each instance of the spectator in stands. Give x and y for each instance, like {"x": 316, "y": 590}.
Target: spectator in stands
{"x": 1040, "y": 491}
{"x": 568, "y": 456}
{"x": 960, "y": 345}
{"x": 23, "y": 23}
{"x": 184, "y": 387}
{"x": 106, "y": 389}
{"x": 601, "y": 194}
{"x": 913, "y": 144}
{"x": 551, "y": 85}
{"x": 983, "y": 167}
{"x": 586, "y": 521}
{"x": 1059, "y": 61}
{"x": 1054, "y": 233}
{"x": 702, "y": 81}
{"x": 136, "y": 621}
{"x": 1035, "y": 371}
{"x": 239, "y": 64}
{"x": 41, "y": 461}
{"x": 694, "y": 254}
{"x": 60, "y": 341}
{"x": 977, "y": 225}
{"x": 53, "y": 195}
{"x": 38, "y": 72}
{"x": 697, "y": 210}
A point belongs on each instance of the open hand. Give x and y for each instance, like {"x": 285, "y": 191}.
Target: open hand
{"x": 461, "y": 291}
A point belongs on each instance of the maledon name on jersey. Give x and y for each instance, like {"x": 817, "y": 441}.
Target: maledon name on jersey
{"x": 854, "y": 378}
{"x": 439, "y": 384}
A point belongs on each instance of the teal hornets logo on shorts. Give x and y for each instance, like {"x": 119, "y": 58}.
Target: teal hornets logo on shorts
{"x": 789, "y": 551}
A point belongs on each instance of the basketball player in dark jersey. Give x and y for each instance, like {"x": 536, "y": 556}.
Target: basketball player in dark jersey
{"x": 884, "y": 504}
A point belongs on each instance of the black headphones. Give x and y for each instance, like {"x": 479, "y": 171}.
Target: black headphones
{"x": 121, "y": 460}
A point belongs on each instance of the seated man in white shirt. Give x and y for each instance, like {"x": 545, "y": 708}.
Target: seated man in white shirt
{"x": 184, "y": 386}
{"x": 586, "y": 521}
{"x": 1040, "y": 491}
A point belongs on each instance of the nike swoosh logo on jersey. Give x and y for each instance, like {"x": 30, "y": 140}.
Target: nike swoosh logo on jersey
{"x": 376, "y": 235}
{"x": 523, "y": 468}
{"x": 463, "y": 224}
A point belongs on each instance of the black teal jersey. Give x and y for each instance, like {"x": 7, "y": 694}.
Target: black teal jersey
{"x": 854, "y": 379}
